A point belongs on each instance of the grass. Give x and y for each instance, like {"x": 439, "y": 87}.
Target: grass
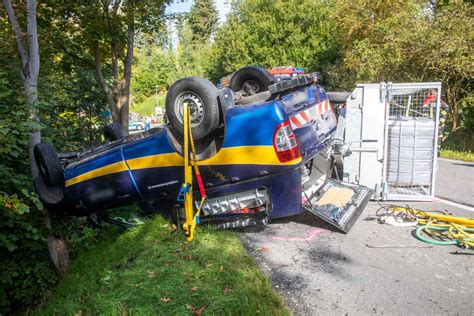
{"x": 147, "y": 106}
{"x": 152, "y": 269}
{"x": 458, "y": 155}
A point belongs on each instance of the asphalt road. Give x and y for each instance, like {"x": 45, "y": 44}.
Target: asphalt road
{"x": 375, "y": 268}
{"x": 455, "y": 181}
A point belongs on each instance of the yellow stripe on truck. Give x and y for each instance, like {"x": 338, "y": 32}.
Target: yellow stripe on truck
{"x": 99, "y": 172}
{"x": 243, "y": 155}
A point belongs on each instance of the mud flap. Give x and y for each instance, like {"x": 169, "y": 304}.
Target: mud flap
{"x": 338, "y": 203}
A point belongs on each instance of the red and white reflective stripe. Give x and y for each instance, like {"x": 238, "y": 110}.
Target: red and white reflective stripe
{"x": 304, "y": 117}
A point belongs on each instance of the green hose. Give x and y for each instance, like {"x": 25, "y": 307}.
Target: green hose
{"x": 434, "y": 241}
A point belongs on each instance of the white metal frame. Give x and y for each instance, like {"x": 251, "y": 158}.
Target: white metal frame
{"x": 389, "y": 95}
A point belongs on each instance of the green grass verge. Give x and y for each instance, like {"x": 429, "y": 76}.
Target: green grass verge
{"x": 152, "y": 269}
{"x": 147, "y": 106}
{"x": 458, "y": 155}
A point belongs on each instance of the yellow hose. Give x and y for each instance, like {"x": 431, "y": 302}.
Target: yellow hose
{"x": 443, "y": 226}
{"x": 466, "y": 222}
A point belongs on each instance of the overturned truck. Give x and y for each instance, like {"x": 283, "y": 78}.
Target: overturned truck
{"x": 263, "y": 145}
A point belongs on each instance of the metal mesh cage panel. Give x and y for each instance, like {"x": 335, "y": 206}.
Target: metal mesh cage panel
{"x": 412, "y": 123}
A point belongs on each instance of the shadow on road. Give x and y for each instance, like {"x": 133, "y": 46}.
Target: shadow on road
{"x": 306, "y": 218}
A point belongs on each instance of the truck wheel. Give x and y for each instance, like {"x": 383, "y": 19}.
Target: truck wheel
{"x": 251, "y": 80}
{"x": 49, "y": 195}
{"x": 49, "y": 165}
{"x": 203, "y": 100}
{"x": 113, "y": 132}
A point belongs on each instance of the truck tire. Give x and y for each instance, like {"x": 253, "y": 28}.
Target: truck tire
{"x": 251, "y": 80}
{"x": 49, "y": 165}
{"x": 49, "y": 195}
{"x": 113, "y": 132}
{"x": 203, "y": 98}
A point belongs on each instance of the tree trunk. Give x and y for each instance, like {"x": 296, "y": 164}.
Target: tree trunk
{"x": 29, "y": 74}
{"x": 117, "y": 95}
{"x": 127, "y": 77}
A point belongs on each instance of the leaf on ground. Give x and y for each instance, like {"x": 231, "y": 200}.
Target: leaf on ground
{"x": 263, "y": 249}
{"x": 78, "y": 313}
{"x": 227, "y": 290}
{"x": 221, "y": 269}
{"x": 194, "y": 289}
{"x": 137, "y": 285}
{"x": 196, "y": 312}
{"x": 165, "y": 299}
{"x": 188, "y": 257}
{"x": 151, "y": 274}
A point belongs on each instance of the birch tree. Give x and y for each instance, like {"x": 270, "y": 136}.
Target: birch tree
{"x": 28, "y": 49}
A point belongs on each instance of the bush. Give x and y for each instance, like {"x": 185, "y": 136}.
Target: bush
{"x": 25, "y": 269}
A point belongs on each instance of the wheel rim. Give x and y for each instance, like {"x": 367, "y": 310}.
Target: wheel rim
{"x": 196, "y": 107}
{"x": 250, "y": 87}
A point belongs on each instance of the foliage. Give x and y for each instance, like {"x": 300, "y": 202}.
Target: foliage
{"x": 73, "y": 109}
{"x": 25, "y": 269}
{"x": 26, "y": 272}
{"x": 276, "y": 33}
{"x": 154, "y": 68}
{"x": 203, "y": 20}
{"x": 151, "y": 269}
{"x": 458, "y": 155}
{"x": 106, "y": 31}
{"x": 193, "y": 58}
{"x": 405, "y": 41}
{"x": 147, "y": 106}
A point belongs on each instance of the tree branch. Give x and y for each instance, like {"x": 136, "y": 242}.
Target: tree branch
{"x": 100, "y": 78}
{"x": 17, "y": 31}
{"x": 129, "y": 57}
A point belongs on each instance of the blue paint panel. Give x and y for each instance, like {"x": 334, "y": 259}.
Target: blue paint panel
{"x": 253, "y": 124}
{"x": 158, "y": 182}
{"x": 154, "y": 144}
{"x": 109, "y": 157}
{"x": 104, "y": 192}
{"x": 284, "y": 189}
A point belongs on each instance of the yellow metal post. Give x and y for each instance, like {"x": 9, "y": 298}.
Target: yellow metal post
{"x": 188, "y": 175}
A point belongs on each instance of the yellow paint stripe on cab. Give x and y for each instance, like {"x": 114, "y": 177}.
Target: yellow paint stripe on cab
{"x": 99, "y": 172}
{"x": 244, "y": 155}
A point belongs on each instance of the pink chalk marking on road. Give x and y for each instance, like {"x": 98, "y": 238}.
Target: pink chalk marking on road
{"x": 313, "y": 233}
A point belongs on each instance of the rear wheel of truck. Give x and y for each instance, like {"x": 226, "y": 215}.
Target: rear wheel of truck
{"x": 113, "y": 132}
{"x": 49, "y": 165}
{"x": 251, "y": 80}
{"x": 202, "y": 98}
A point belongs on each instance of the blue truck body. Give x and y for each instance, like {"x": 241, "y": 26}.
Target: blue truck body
{"x": 150, "y": 168}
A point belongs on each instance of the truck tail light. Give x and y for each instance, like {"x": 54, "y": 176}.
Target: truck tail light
{"x": 285, "y": 143}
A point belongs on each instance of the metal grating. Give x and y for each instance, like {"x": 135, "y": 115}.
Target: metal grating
{"x": 411, "y": 129}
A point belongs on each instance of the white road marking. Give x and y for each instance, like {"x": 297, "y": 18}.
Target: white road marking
{"x": 461, "y": 206}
